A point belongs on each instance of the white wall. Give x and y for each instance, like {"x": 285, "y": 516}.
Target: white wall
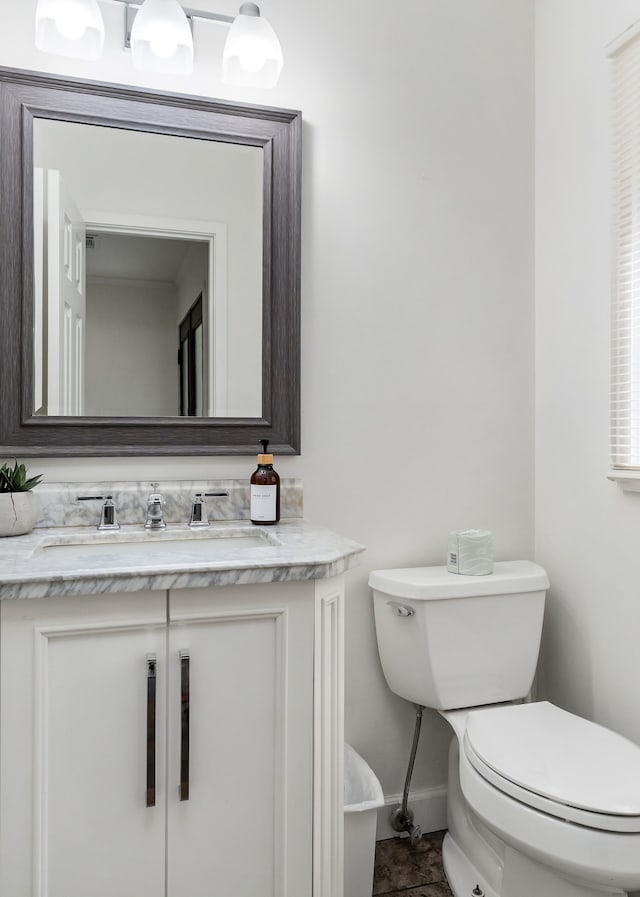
{"x": 191, "y": 278}
{"x": 587, "y": 529}
{"x": 417, "y": 292}
{"x": 131, "y": 366}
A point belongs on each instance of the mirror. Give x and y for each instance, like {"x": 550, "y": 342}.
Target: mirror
{"x": 151, "y": 291}
{"x": 103, "y": 184}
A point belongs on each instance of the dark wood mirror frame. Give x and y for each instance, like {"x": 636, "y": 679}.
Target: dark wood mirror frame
{"x": 27, "y": 95}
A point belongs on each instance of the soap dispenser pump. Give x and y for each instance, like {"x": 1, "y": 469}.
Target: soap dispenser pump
{"x": 265, "y": 489}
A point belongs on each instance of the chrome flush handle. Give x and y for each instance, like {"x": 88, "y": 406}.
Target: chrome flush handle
{"x": 402, "y": 610}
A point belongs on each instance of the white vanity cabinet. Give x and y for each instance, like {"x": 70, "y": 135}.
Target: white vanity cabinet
{"x": 247, "y": 823}
{"x": 172, "y": 744}
{"x": 73, "y": 818}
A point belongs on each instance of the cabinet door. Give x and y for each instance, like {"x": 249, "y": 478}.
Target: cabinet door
{"x": 244, "y": 826}
{"x": 77, "y": 750}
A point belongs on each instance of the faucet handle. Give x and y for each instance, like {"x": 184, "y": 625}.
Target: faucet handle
{"x": 198, "y": 511}
{"x": 199, "y": 516}
{"x": 108, "y": 517}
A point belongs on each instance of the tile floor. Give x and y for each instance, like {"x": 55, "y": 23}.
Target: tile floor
{"x": 404, "y": 871}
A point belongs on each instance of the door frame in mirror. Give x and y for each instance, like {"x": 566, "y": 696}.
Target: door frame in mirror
{"x": 28, "y": 95}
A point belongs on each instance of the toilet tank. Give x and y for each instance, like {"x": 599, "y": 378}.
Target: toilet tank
{"x": 447, "y": 640}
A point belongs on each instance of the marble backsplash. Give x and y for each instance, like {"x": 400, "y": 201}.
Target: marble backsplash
{"x": 60, "y": 505}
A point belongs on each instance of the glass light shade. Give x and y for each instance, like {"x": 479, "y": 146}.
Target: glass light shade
{"x": 161, "y": 39}
{"x": 252, "y": 54}
{"x": 70, "y": 28}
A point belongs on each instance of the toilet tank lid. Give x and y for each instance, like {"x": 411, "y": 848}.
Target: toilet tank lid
{"x": 430, "y": 583}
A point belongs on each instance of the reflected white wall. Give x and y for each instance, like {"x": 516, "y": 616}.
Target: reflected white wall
{"x": 131, "y": 350}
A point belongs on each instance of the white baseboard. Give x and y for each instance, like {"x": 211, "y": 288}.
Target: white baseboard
{"x": 429, "y": 807}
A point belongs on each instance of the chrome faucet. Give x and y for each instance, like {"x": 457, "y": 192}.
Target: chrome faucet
{"x": 108, "y": 517}
{"x": 155, "y": 509}
{"x": 199, "y": 516}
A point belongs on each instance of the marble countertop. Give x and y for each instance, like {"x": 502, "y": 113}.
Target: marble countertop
{"x": 69, "y": 560}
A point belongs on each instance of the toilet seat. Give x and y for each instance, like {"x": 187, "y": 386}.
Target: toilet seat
{"x": 558, "y": 763}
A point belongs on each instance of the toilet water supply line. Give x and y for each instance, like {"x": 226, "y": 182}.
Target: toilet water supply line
{"x": 402, "y": 816}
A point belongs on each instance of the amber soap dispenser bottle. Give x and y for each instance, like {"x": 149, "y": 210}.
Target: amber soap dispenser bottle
{"x": 265, "y": 489}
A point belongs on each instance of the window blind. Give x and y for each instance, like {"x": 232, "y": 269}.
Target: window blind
{"x": 625, "y": 305}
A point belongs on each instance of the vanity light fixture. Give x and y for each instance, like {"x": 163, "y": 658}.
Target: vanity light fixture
{"x": 161, "y": 39}
{"x": 70, "y": 28}
{"x": 252, "y": 54}
{"x": 159, "y": 33}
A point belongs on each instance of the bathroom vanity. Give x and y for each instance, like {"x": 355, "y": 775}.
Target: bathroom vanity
{"x": 171, "y": 712}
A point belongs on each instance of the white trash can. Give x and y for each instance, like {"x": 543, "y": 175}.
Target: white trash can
{"x": 362, "y": 797}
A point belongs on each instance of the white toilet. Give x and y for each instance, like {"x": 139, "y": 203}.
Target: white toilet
{"x": 541, "y": 803}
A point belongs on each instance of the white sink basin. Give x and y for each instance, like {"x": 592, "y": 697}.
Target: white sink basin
{"x": 142, "y": 546}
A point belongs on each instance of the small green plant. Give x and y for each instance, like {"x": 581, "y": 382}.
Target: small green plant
{"x": 14, "y": 479}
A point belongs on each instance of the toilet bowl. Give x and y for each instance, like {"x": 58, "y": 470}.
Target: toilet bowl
{"x": 550, "y": 787}
{"x": 540, "y": 801}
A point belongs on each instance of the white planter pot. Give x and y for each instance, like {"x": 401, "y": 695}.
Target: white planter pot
{"x": 19, "y": 512}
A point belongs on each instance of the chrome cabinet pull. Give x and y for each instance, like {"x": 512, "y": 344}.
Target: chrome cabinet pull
{"x": 184, "y": 725}
{"x": 151, "y": 730}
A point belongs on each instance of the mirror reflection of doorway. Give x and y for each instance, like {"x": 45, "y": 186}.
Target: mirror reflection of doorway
{"x": 139, "y": 288}
{"x": 190, "y": 361}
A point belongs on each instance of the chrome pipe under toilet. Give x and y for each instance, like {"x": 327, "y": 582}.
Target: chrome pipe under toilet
{"x": 402, "y": 816}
